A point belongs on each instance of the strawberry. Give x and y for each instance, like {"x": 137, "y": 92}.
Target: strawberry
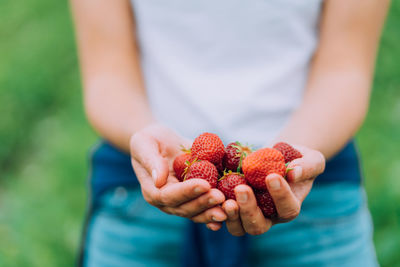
{"x": 180, "y": 164}
{"x": 288, "y": 152}
{"x": 208, "y": 146}
{"x": 228, "y": 182}
{"x": 234, "y": 155}
{"x": 266, "y": 203}
{"x": 258, "y": 165}
{"x": 203, "y": 170}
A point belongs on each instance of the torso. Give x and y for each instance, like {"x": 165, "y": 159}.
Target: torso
{"x": 236, "y": 68}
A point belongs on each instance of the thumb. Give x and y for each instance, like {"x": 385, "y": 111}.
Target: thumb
{"x": 146, "y": 150}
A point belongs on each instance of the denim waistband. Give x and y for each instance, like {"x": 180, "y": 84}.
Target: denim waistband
{"x": 111, "y": 168}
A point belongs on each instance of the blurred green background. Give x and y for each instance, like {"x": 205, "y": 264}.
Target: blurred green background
{"x": 44, "y": 138}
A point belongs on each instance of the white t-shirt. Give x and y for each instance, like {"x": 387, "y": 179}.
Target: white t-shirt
{"x": 233, "y": 67}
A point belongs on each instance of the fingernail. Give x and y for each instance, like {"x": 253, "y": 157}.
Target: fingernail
{"x": 218, "y": 217}
{"x": 212, "y": 201}
{"x": 199, "y": 190}
{"x": 242, "y": 198}
{"x": 274, "y": 183}
{"x": 298, "y": 171}
{"x": 154, "y": 174}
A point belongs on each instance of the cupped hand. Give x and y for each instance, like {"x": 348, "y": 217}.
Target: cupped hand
{"x": 244, "y": 216}
{"x": 153, "y": 151}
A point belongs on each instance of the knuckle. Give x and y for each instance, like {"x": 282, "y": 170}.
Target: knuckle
{"x": 165, "y": 200}
{"x": 166, "y": 210}
{"x": 291, "y": 214}
{"x": 204, "y": 202}
{"x": 282, "y": 196}
{"x": 257, "y": 231}
{"x": 197, "y": 219}
{"x": 247, "y": 213}
{"x": 181, "y": 213}
{"x": 187, "y": 193}
{"x": 237, "y": 233}
{"x": 154, "y": 199}
{"x": 149, "y": 199}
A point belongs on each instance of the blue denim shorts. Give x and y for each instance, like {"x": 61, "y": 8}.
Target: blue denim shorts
{"x": 333, "y": 229}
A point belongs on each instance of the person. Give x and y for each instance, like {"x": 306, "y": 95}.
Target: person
{"x": 158, "y": 73}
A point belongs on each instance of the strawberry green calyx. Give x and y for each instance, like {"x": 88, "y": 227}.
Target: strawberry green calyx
{"x": 287, "y": 169}
{"x": 244, "y": 151}
{"x": 235, "y": 153}
{"x": 185, "y": 150}
{"x": 228, "y": 183}
{"x": 179, "y": 165}
{"x": 227, "y": 173}
{"x": 188, "y": 164}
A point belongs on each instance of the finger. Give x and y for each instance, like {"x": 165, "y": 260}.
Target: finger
{"x": 233, "y": 223}
{"x": 146, "y": 150}
{"x": 196, "y": 206}
{"x": 214, "y": 226}
{"x": 307, "y": 167}
{"x": 286, "y": 203}
{"x": 215, "y": 214}
{"x": 150, "y": 193}
{"x": 301, "y": 189}
{"x": 253, "y": 220}
{"x": 176, "y": 194}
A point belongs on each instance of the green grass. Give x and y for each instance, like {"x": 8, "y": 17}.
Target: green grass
{"x": 45, "y": 138}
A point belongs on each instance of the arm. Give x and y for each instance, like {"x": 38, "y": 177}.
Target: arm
{"x": 337, "y": 95}
{"x": 117, "y": 107}
{"x": 114, "y": 95}
{"x": 334, "y": 106}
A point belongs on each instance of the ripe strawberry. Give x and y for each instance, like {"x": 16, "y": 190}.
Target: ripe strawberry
{"x": 258, "y": 165}
{"x": 203, "y": 170}
{"x": 228, "y": 182}
{"x": 234, "y": 155}
{"x": 288, "y": 152}
{"x": 208, "y": 146}
{"x": 180, "y": 164}
{"x": 266, "y": 203}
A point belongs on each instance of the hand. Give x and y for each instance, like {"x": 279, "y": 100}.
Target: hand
{"x": 153, "y": 151}
{"x": 244, "y": 216}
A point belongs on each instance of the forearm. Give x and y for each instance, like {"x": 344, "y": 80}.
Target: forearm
{"x": 337, "y": 94}
{"x": 114, "y": 94}
{"x": 116, "y": 110}
{"x": 332, "y": 111}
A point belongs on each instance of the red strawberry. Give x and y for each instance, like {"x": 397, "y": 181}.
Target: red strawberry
{"x": 234, "y": 155}
{"x": 266, "y": 204}
{"x": 228, "y": 183}
{"x": 180, "y": 164}
{"x": 203, "y": 170}
{"x": 208, "y": 146}
{"x": 258, "y": 165}
{"x": 288, "y": 152}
